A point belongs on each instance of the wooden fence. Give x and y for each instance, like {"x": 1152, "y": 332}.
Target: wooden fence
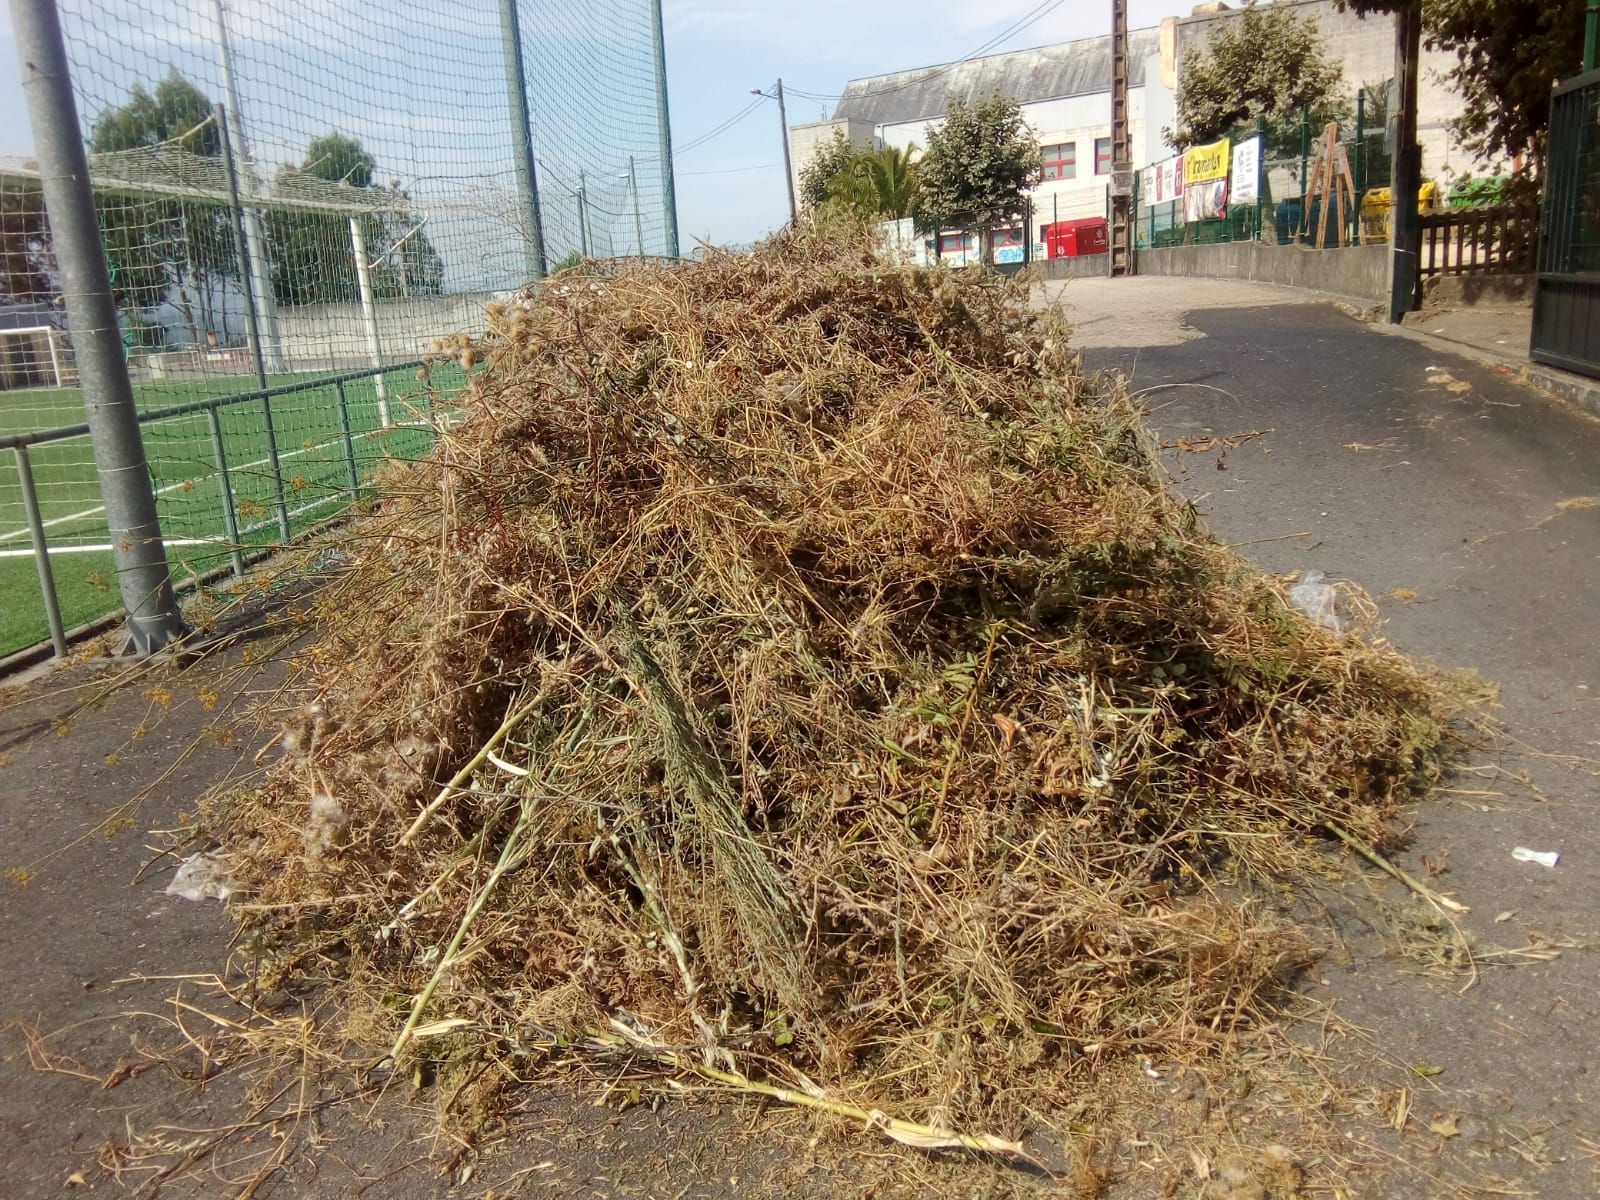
{"x": 1479, "y": 241}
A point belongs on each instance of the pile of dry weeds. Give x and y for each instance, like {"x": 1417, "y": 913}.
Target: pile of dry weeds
{"x": 794, "y": 669}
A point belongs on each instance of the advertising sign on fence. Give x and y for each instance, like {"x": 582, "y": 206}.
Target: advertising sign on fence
{"x": 1205, "y": 181}
{"x": 1205, "y": 164}
{"x": 1163, "y": 182}
{"x": 1246, "y": 172}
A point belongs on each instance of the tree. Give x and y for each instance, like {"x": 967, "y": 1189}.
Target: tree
{"x": 26, "y": 257}
{"x": 874, "y": 183}
{"x": 893, "y": 174}
{"x": 1265, "y": 64}
{"x": 158, "y": 249}
{"x": 313, "y": 254}
{"x": 179, "y": 113}
{"x": 339, "y": 158}
{"x": 834, "y": 157}
{"x": 1509, "y": 53}
{"x": 979, "y": 165}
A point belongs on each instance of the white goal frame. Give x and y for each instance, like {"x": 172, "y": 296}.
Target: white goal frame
{"x": 51, "y": 334}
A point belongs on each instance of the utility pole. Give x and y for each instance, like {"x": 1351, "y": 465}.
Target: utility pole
{"x": 669, "y": 191}
{"x": 1407, "y": 224}
{"x": 522, "y": 137}
{"x": 788, "y": 167}
{"x": 1591, "y": 36}
{"x": 154, "y": 620}
{"x": 638, "y": 220}
{"x": 270, "y": 343}
{"x": 1121, "y": 146}
{"x": 783, "y": 130}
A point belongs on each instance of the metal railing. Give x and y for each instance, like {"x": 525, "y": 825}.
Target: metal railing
{"x": 235, "y": 532}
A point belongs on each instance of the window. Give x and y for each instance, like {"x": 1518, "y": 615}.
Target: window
{"x": 1007, "y": 237}
{"x": 1059, "y": 161}
{"x": 954, "y": 243}
{"x": 1102, "y": 156}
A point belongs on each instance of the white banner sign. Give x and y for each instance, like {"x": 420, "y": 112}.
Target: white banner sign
{"x": 1247, "y": 171}
{"x": 1166, "y": 181}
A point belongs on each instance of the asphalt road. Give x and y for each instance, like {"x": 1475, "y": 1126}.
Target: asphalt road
{"x": 1469, "y": 507}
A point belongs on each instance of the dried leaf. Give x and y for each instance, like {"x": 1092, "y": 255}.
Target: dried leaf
{"x": 1008, "y": 729}
{"x": 1426, "y": 1070}
{"x": 1445, "y": 1127}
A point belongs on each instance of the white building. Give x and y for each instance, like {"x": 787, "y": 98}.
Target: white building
{"x": 1064, "y": 91}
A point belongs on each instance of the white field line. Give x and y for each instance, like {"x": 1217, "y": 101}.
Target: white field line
{"x": 27, "y": 551}
{"x": 233, "y": 468}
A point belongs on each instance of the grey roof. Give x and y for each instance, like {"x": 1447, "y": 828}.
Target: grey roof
{"x": 1076, "y": 68}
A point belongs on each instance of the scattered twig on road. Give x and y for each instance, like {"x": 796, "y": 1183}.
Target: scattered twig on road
{"x": 1383, "y": 864}
{"x": 1261, "y": 541}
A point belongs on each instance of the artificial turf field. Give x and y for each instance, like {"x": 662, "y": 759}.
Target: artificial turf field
{"x": 189, "y": 492}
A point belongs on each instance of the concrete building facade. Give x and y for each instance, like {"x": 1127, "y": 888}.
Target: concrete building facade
{"x": 1064, "y": 92}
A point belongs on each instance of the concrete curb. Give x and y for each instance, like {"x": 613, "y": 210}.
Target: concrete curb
{"x": 1572, "y": 389}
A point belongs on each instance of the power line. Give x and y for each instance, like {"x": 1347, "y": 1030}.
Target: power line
{"x": 1041, "y": 11}
{"x": 696, "y": 143}
{"x": 732, "y": 170}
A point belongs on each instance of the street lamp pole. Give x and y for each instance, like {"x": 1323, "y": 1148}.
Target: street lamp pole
{"x": 783, "y": 129}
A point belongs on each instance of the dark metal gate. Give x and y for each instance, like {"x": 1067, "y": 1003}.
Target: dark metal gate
{"x": 1566, "y": 306}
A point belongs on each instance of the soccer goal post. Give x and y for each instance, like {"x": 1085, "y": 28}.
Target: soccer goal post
{"x": 35, "y": 356}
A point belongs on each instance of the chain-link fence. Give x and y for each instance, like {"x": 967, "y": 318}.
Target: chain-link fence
{"x": 1301, "y": 185}
{"x": 298, "y": 202}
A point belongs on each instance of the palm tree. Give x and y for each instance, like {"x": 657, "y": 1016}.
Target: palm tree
{"x": 882, "y": 183}
{"x": 893, "y": 173}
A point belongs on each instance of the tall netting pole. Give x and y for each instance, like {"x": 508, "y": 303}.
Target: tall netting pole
{"x": 669, "y": 192}
{"x": 154, "y": 619}
{"x": 522, "y": 136}
{"x": 266, "y": 311}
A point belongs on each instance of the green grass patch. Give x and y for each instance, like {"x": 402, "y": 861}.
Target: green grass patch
{"x": 315, "y": 460}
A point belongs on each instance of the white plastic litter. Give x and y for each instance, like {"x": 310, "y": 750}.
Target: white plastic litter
{"x": 1317, "y": 599}
{"x": 201, "y": 877}
{"x": 1545, "y": 858}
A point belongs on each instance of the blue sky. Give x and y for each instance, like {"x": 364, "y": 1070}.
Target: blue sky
{"x": 731, "y": 188}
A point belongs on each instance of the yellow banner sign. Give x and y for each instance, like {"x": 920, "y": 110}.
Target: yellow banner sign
{"x": 1202, "y": 164}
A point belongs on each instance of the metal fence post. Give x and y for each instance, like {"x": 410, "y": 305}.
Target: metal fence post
{"x": 638, "y": 218}
{"x": 369, "y": 317}
{"x": 522, "y": 136}
{"x": 349, "y": 441}
{"x": 230, "y": 519}
{"x": 277, "y": 469}
{"x": 1361, "y": 145}
{"x": 1305, "y": 165}
{"x": 1262, "y": 203}
{"x": 241, "y": 250}
{"x": 669, "y": 193}
{"x": 154, "y": 619}
{"x": 241, "y": 247}
{"x": 41, "y": 553}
